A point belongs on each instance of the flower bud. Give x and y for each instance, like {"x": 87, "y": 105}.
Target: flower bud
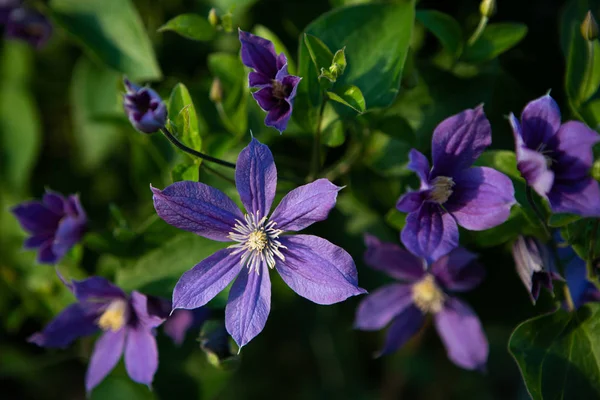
{"x": 487, "y": 8}
{"x": 213, "y": 18}
{"x": 589, "y": 27}
{"x": 216, "y": 91}
{"x": 144, "y": 108}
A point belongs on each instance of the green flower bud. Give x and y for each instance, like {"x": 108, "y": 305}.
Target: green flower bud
{"x": 213, "y": 18}
{"x": 589, "y": 27}
{"x": 487, "y": 8}
{"x": 216, "y": 91}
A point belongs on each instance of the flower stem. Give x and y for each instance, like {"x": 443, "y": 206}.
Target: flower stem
{"x": 217, "y": 173}
{"x": 316, "y": 153}
{"x": 588, "y": 72}
{"x": 193, "y": 152}
{"x": 480, "y": 28}
{"x": 537, "y": 211}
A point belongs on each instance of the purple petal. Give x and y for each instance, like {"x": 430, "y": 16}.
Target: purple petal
{"x": 95, "y": 289}
{"x": 198, "y": 208}
{"x": 146, "y": 320}
{"x": 265, "y": 99}
{"x": 405, "y": 326}
{"x": 381, "y": 306}
{"x": 70, "y": 231}
{"x": 482, "y": 198}
{"x": 106, "y": 355}
{"x": 411, "y": 201}
{"x": 256, "y": 178}
{"x": 141, "y": 354}
{"x": 279, "y": 116}
{"x": 393, "y": 260}
{"x": 574, "y": 156}
{"x": 46, "y": 255}
{"x": 181, "y": 321}
{"x": 305, "y": 205}
{"x": 540, "y": 120}
{"x": 576, "y": 276}
{"x": 36, "y": 241}
{"x": 420, "y": 165}
{"x": 458, "y": 270}
{"x": 258, "y": 80}
{"x": 200, "y": 284}
{"x": 581, "y": 197}
{"x": 55, "y": 202}
{"x": 430, "y": 233}
{"x": 35, "y": 218}
{"x": 248, "y": 305}
{"x": 458, "y": 141}
{"x": 73, "y": 322}
{"x": 533, "y": 262}
{"x": 258, "y": 53}
{"x": 291, "y": 83}
{"x": 462, "y": 334}
{"x": 318, "y": 270}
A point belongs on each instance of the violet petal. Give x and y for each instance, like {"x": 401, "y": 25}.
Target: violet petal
{"x": 95, "y": 289}
{"x": 404, "y": 326}
{"x": 420, "y": 165}
{"x": 581, "y": 197}
{"x": 106, "y": 354}
{"x": 258, "y": 53}
{"x": 574, "y": 156}
{"x": 540, "y": 120}
{"x": 379, "y": 307}
{"x": 141, "y": 354}
{"x": 278, "y": 117}
{"x": 393, "y": 260}
{"x": 73, "y": 322}
{"x": 458, "y": 270}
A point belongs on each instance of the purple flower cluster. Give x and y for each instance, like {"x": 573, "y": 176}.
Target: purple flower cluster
{"x": 24, "y": 23}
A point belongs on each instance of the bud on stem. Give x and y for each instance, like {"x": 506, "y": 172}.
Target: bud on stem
{"x": 589, "y": 27}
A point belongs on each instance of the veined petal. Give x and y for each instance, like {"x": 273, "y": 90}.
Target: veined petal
{"x": 96, "y": 288}
{"x": 458, "y": 141}
{"x": 581, "y": 197}
{"x": 482, "y": 198}
{"x": 36, "y": 218}
{"x": 198, "y": 208}
{"x": 258, "y": 80}
{"x": 265, "y": 99}
{"x": 279, "y": 116}
{"x": 574, "y": 156}
{"x": 377, "y": 309}
{"x": 317, "y": 269}
{"x": 540, "y": 120}
{"x": 291, "y": 83}
{"x": 458, "y": 270}
{"x": 258, "y": 53}
{"x": 200, "y": 284}
{"x": 430, "y": 232}
{"x": 141, "y": 354}
{"x": 73, "y": 322}
{"x": 248, "y": 305}
{"x": 139, "y": 303}
{"x": 305, "y": 205}
{"x": 256, "y": 178}
{"x": 106, "y": 355}
{"x": 462, "y": 334}
{"x": 534, "y": 263}
{"x": 420, "y": 165}
{"x": 411, "y": 201}
{"x": 404, "y": 327}
{"x": 393, "y": 260}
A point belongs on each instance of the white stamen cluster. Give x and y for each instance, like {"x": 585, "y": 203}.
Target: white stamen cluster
{"x": 441, "y": 189}
{"x": 427, "y": 296}
{"x": 258, "y": 242}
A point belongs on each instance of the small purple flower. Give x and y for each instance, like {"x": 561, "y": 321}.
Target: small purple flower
{"x": 555, "y": 159}
{"x": 144, "y": 107}
{"x": 56, "y": 224}
{"x": 277, "y": 88}
{"x": 452, "y": 192}
{"x": 29, "y": 25}
{"x": 313, "y": 267}
{"x": 426, "y": 292}
{"x": 535, "y": 265}
{"x": 126, "y": 322}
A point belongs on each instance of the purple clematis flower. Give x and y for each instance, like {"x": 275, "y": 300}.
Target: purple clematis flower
{"x": 127, "y": 323}
{"x": 277, "y": 88}
{"x": 555, "y": 159}
{"x": 145, "y": 109}
{"x": 56, "y": 224}
{"x": 535, "y": 265}
{"x": 29, "y": 25}
{"x": 425, "y": 292}
{"x": 452, "y": 192}
{"x": 313, "y": 267}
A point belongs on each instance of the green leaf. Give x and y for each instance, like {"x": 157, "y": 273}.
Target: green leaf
{"x": 96, "y": 138}
{"x": 185, "y": 172}
{"x": 190, "y": 26}
{"x": 577, "y": 86}
{"x": 559, "y": 354}
{"x": 157, "y": 272}
{"x": 112, "y": 32}
{"x": 444, "y": 27}
{"x": 183, "y": 116}
{"x": 119, "y": 387}
{"x": 350, "y": 96}
{"x": 20, "y": 130}
{"x": 264, "y": 32}
{"x": 579, "y": 233}
{"x": 337, "y": 67}
{"x": 395, "y": 219}
{"x": 495, "y": 40}
{"x": 332, "y": 128}
{"x": 504, "y": 161}
{"x": 386, "y": 155}
{"x": 560, "y": 220}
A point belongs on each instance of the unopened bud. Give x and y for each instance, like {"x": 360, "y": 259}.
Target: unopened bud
{"x": 589, "y": 27}
{"x": 213, "y": 18}
{"x": 216, "y": 91}
{"x": 145, "y": 109}
{"x": 487, "y": 8}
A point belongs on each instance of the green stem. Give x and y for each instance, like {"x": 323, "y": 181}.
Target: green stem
{"x": 343, "y": 166}
{"x": 193, "y": 152}
{"x": 592, "y": 251}
{"x": 226, "y": 120}
{"x": 588, "y": 72}
{"x": 480, "y": 28}
{"x": 316, "y": 153}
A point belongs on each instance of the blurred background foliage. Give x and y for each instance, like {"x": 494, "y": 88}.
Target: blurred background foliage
{"x": 62, "y": 127}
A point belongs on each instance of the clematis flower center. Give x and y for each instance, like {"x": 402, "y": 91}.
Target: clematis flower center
{"x": 115, "y": 316}
{"x": 427, "y": 295}
{"x": 258, "y": 242}
{"x": 441, "y": 189}
{"x": 546, "y": 153}
{"x": 280, "y": 91}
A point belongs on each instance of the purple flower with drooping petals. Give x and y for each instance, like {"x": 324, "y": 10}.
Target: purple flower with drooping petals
{"x": 535, "y": 265}
{"x": 313, "y": 267}
{"x": 145, "y": 109}
{"x": 277, "y": 88}
{"x": 56, "y": 224}
{"x": 29, "y": 25}
{"x": 453, "y": 192}
{"x": 425, "y": 291}
{"x": 127, "y": 324}
{"x": 555, "y": 159}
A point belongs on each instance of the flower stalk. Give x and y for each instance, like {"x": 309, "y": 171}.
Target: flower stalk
{"x": 193, "y": 152}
